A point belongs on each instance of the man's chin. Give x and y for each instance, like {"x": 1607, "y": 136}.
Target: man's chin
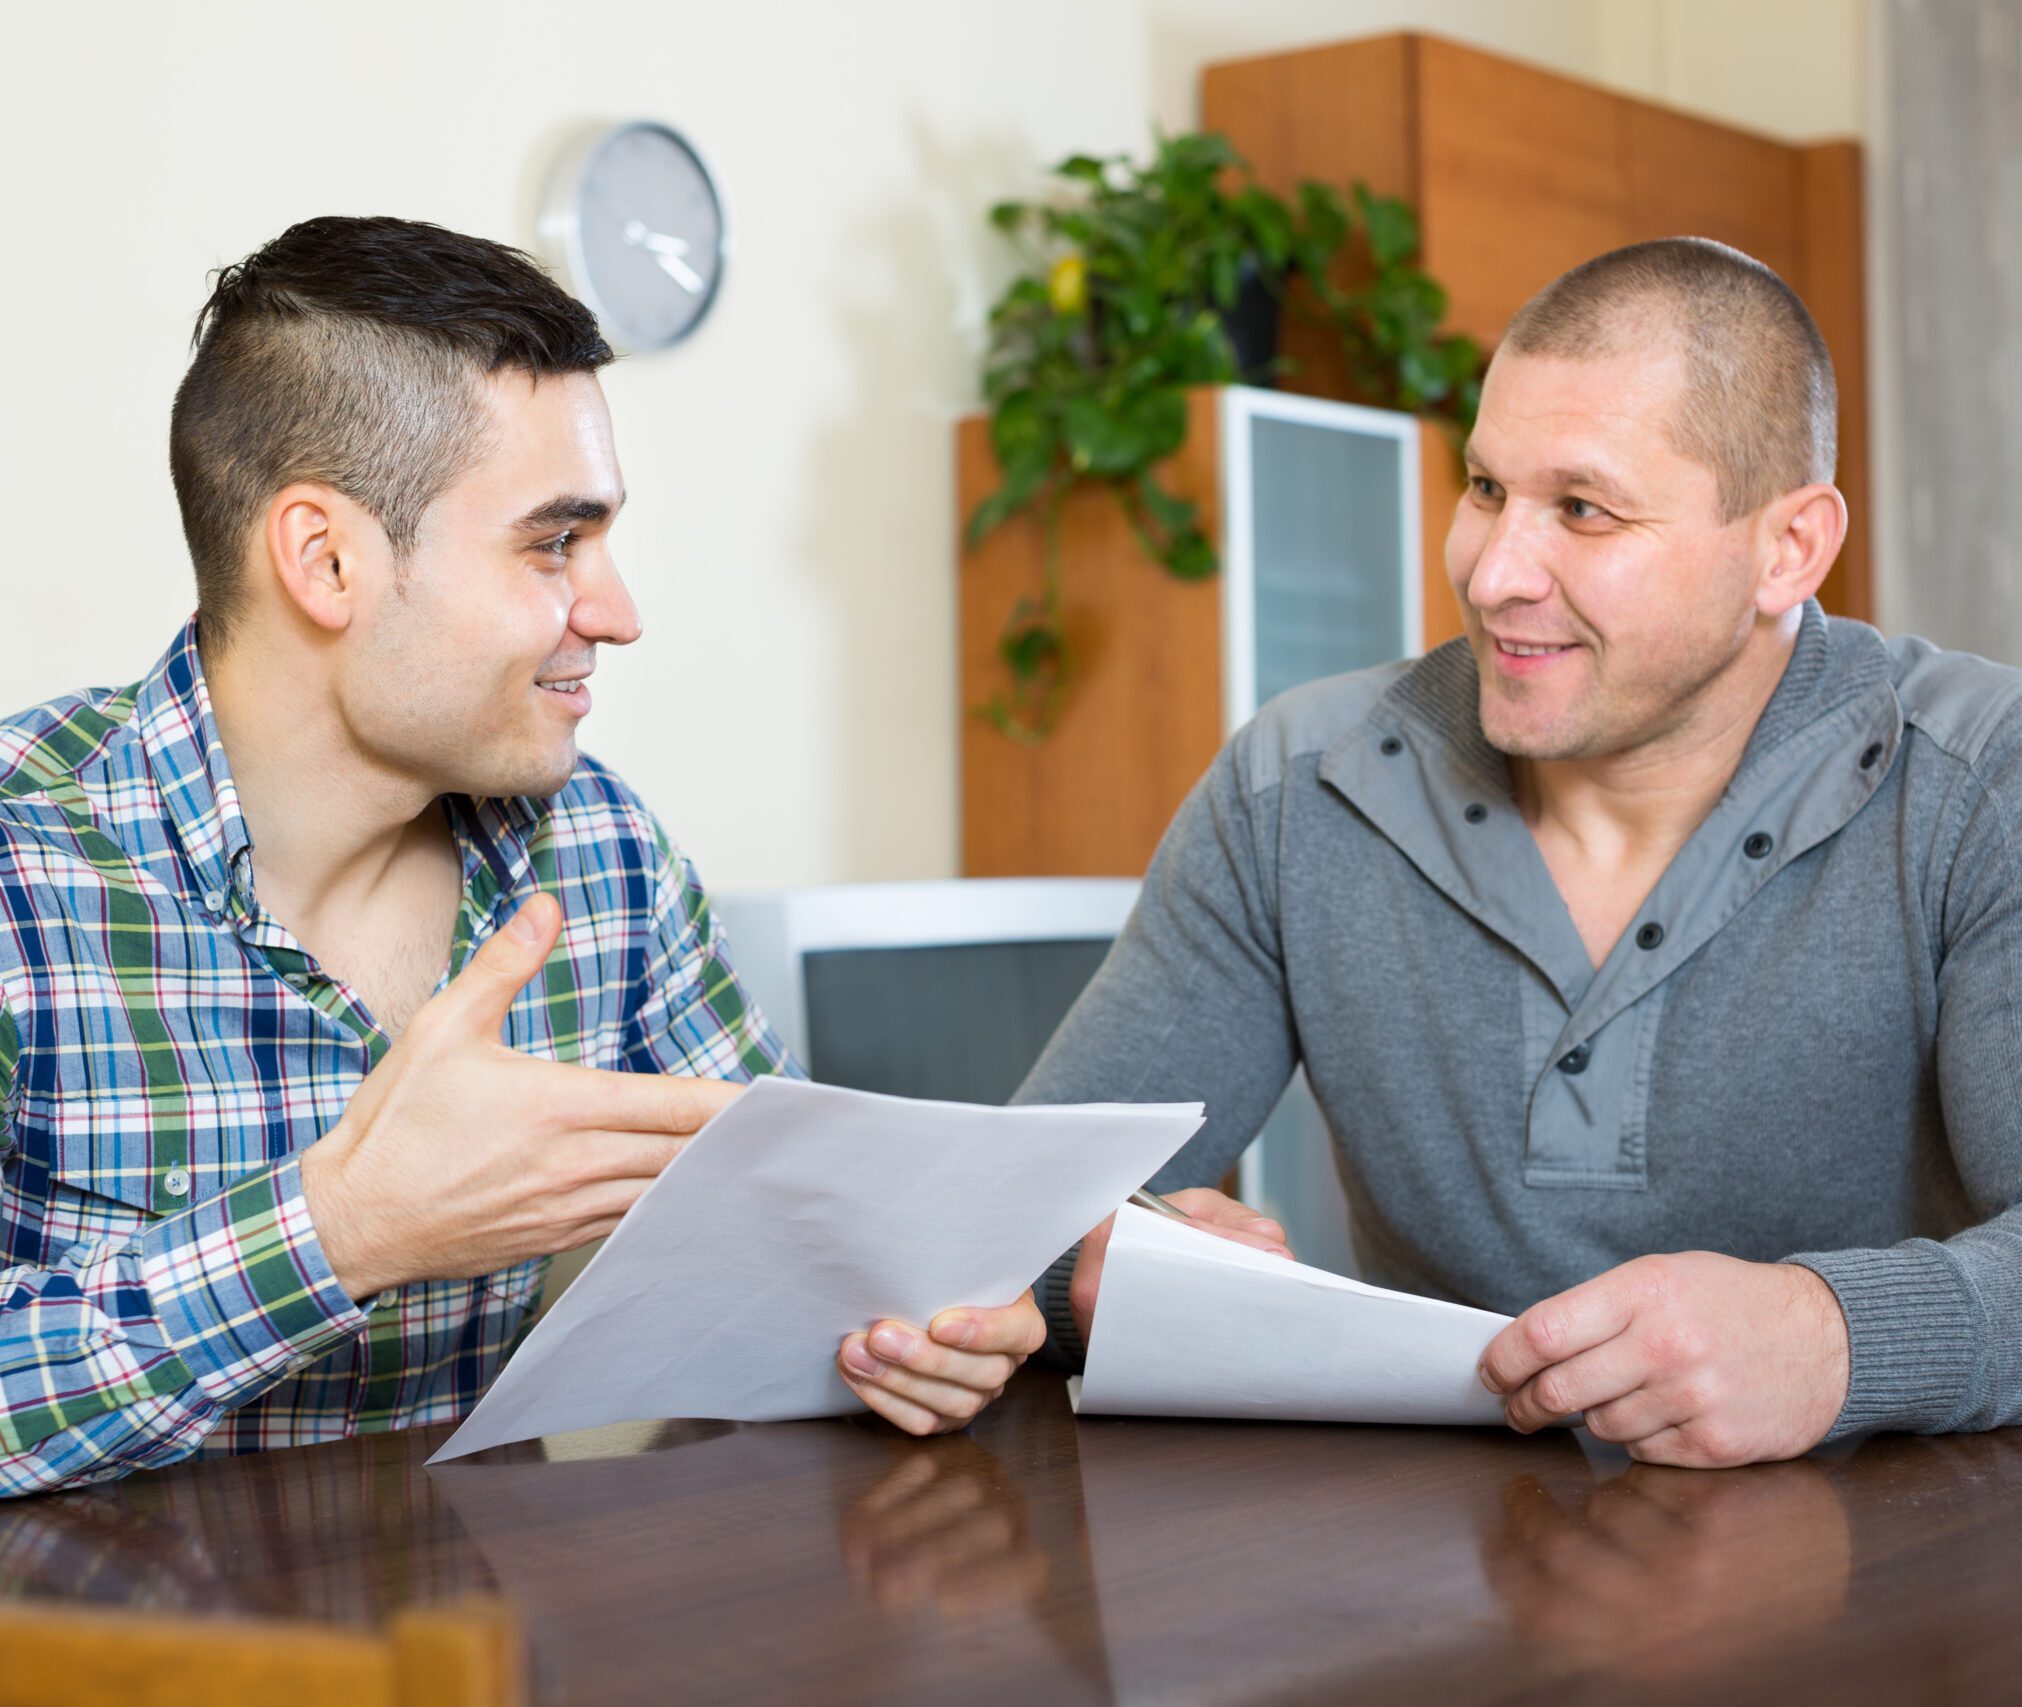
{"x": 1531, "y": 738}
{"x": 535, "y": 779}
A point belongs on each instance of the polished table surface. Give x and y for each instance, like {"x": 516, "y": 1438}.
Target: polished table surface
{"x": 1039, "y": 1559}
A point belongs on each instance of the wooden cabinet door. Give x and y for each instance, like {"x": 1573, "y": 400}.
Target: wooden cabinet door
{"x": 1522, "y": 176}
{"x": 1688, "y": 177}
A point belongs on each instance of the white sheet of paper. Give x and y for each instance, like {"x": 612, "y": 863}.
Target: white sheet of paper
{"x": 803, "y": 1213}
{"x": 1189, "y": 1325}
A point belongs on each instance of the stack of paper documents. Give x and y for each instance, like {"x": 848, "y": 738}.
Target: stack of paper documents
{"x": 1189, "y": 1325}
{"x": 801, "y": 1214}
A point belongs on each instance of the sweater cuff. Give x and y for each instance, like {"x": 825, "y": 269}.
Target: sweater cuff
{"x": 1914, "y": 1335}
{"x": 1063, "y": 1348}
{"x": 242, "y": 1288}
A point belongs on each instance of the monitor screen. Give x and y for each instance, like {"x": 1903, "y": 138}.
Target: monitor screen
{"x": 955, "y": 1023}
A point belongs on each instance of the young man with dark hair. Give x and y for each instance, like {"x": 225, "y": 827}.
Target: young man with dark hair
{"x": 1655, "y": 951}
{"x": 337, "y": 988}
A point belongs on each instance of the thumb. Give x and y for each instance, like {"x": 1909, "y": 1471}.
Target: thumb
{"x": 509, "y": 959}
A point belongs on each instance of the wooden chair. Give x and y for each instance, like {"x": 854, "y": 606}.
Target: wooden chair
{"x": 55, "y": 1654}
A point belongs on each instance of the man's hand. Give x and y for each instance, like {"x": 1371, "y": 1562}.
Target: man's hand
{"x": 458, "y": 1156}
{"x": 1693, "y": 1359}
{"x": 1222, "y": 1216}
{"x": 929, "y": 1383}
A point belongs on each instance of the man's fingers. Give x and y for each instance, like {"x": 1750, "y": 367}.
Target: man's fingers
{"x": 1678, "y": 1445}
{"x": 901, "y": 1345}
{"x": 901, "y": 1413}
{"x": 633, "y": 1102}
{"x": 895, "y": 1408}
{"x": 1557, "y": 1329}
{"x": 1608, "y": 1372}
{"x": 1635, "y": 1416}
{"x": 590, "y": 1159}
{"x": 480, "y": 996}
{"x": 1226, "y": 1218}
{"x": 950, "y": 1404}
{"x": 1017, "y": 1330}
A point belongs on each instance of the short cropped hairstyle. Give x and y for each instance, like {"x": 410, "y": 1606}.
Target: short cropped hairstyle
{"x": 351, "y": 352}
{"x": 1761, "y": 404}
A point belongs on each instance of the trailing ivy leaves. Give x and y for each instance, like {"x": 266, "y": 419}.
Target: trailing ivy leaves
{"x": 1121, "y": 311}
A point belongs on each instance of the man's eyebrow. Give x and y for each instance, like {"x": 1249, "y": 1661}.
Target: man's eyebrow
{"x": 1559, "y": 478}
{"x": 1593, "y": 480}
{"x": 569, "y": 507}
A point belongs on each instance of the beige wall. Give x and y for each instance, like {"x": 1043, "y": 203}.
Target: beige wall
{"x": 791, "y": 710}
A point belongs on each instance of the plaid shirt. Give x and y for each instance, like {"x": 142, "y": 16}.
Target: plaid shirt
{"x": 167, "y": 1049}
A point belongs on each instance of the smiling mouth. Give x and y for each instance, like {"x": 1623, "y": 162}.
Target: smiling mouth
{"x": 569, "y": 687}
{"x": 1519, "y": 649}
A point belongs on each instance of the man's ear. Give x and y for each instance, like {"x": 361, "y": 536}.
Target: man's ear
{"x": 1801, "y": 534}
{"x": 310, "y": 542}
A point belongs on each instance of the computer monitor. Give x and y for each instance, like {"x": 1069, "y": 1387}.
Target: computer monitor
{"x": 941, "y": 990}
{"x": 949, "y": 990}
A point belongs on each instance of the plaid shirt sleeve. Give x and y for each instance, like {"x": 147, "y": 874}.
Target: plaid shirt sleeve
{"x": 130, "y": 1352}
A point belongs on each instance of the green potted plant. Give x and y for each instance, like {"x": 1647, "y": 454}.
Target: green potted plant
{"x": 1138, "y": 281}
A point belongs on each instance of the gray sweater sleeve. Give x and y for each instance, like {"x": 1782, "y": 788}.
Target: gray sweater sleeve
{"x": 1935, "y": 1328}
{"x": 1190, "y": 1004}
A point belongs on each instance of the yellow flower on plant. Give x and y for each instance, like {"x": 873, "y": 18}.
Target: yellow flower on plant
{"x": 1067, "y": 285}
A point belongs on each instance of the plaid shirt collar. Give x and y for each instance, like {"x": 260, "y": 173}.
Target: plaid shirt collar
{"x": 186, "y": 757}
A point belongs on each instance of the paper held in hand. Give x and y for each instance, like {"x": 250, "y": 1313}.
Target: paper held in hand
{"x": 1189, "y": 1325}
{"x": 803, "y": 1213}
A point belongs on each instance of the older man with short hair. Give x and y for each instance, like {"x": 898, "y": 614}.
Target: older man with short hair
{"x": 1656, "y": 950}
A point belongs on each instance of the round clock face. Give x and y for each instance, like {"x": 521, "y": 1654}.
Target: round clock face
{"x": 641, "y": 231}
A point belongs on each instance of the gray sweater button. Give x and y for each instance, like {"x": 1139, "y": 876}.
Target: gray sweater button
{"x": 1650, "y": 935}
{"x": 1574, "y": 1061}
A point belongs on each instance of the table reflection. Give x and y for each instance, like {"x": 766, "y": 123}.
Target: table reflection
{"x": 944, "y": 1527}
{"x": 342, "y": 1533}
{"x": 1660, "y": 1573}
{"x": 1037, "y": 1557}
{"x": 921, "y": 1564}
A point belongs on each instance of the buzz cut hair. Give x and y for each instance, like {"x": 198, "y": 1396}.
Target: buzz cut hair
{"x": 352, "y": 352}
{"x": 1761, "y": 404}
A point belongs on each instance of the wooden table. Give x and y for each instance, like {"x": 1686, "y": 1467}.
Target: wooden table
{"x": 1040, "y": 1560}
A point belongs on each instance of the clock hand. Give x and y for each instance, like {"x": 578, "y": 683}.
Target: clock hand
{"x": 668, "y": 251}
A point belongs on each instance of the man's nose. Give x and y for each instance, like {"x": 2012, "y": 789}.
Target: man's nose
{"x": 1509, "y": 569}
{"x": 604, "y": 610}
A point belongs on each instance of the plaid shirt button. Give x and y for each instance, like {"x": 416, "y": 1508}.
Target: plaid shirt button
{"x": 176, "y": 1183}
{"x": 386, "y": 1298}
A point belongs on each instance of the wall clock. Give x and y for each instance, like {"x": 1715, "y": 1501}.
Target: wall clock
{"x": 634, "y": 219}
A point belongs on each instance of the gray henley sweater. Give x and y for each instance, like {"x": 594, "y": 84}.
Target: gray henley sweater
{"x": 1806, "y": 1047}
